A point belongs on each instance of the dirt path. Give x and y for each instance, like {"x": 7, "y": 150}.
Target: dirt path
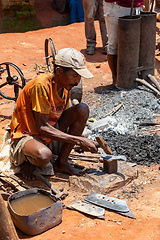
{"x": 142, "y": 195}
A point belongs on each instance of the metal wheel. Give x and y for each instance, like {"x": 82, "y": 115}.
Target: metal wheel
{"x": 11, "y": 80}
{"x": 50, "y": 53}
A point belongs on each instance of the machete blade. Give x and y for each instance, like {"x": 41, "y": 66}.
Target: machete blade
{"x": 115, "y": 204}
{"x": 87, "y": 208}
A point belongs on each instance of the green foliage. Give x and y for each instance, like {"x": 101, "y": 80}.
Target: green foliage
{"x": 17, "y": 24}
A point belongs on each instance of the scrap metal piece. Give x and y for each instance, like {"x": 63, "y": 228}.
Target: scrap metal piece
{"x": 87, "y": 208}
{"x": 108, "y": 202}
{"x": 127, "y": 214}
{"x": 112, "y": 157}
{"x": 117, "y": 205}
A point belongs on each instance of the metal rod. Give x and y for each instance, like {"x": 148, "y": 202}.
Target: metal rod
{"x": 131, "y": 8}
{"x": 152, "y": 6}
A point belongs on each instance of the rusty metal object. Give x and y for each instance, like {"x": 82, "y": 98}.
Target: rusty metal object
{"x": 128, "y": 51}
{"x": 147, "y": 44}
{"x": 7, "y": 228}
{"x": 54, "y": 190}
{"x": 110, "y": 165}
{"x": 145, "y": 83}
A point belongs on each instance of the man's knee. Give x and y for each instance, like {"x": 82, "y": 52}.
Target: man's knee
{"x": 82, "y": 109}
{"x": 43, "y": 156}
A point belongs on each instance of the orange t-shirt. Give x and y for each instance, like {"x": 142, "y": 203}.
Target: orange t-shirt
{"x": 39, "y": 95}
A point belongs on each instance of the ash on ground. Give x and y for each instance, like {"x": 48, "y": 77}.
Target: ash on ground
{"x": 122, "y": 131}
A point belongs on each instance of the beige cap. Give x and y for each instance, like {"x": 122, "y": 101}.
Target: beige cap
{"x": 72, "y": 58}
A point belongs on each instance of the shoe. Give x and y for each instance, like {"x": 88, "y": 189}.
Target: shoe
{"x": 90, "y": 50}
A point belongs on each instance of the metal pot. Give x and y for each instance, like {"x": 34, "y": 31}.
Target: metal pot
{"x": 39, "y": 221}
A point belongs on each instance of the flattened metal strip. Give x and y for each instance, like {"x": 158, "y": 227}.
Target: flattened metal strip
{"x": 107, "y": 202}
{"x": 87, "y": 208}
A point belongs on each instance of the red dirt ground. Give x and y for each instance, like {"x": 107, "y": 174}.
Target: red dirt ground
{"x": 142, "y": 195}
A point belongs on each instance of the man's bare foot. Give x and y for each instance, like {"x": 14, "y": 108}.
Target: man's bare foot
{"x": 66, "y": 168}
{"x": 27, "y": 170}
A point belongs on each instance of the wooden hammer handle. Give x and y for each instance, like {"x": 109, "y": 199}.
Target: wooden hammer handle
{"x": 102, "y": 143}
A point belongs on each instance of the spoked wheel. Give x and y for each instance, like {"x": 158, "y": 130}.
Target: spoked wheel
{"x": 50, "y": 53}
{"x": 11, "y": 80}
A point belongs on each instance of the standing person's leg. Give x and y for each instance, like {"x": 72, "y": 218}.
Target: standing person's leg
{"x": 112, "y": 12}
{"x": 75, "y": 119}
{"x": 111, "y": 20}
{"x": 90, "y": 33}
{"x": 102, "y": 25}
{"x": 73, "y": 11}
{"x": 80, "y": 11}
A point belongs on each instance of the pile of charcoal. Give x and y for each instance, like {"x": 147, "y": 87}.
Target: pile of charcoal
{"x": 129, "y": 136}
{"x": 143, "y": 150}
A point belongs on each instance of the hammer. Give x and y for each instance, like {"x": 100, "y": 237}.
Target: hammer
{"x": 101, "y": 143}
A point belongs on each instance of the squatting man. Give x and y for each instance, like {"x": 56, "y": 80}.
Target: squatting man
{"x": 43, "y": 123}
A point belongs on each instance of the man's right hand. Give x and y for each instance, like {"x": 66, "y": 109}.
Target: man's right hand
{"x": 88, "y": 145}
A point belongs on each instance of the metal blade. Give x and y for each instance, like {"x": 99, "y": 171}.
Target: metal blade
{"x": 87, "y": 208}
{"x": 112, "y": 157}
{"x": 108, "y": 202}
{"x": 127, "y": 214}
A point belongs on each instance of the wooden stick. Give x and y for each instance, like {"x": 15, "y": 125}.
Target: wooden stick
{"x": 114, "y": 110}
{"x": 155, "y": 130}
{"x": 12, "y": 183}
{"x": 86, "y": 159}
{"x": 83, "y": 155}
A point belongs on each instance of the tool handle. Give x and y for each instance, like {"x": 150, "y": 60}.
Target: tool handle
{"x": 102, "y": 143}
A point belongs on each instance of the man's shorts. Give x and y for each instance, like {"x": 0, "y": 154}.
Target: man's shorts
{"x": 17, "y": 155}
{"x": 112, "y": 12}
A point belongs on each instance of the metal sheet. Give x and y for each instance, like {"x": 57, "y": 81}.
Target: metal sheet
{"x": 87, "y": 208}
{"x": 112, "y": 157}
{"x": 108, "y": 202}
{"x": 127, "y": 214}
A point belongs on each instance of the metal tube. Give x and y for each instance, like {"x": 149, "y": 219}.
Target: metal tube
{"x": 128, "y": 51}
{"x": 147, "y": 44}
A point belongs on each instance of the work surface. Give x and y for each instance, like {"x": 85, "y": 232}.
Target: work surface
{"x": 142, "y": 194}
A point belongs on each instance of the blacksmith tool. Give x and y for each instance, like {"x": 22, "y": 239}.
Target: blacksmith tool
{"x": 114, "y": 204}
{"x": 54, "y": 190}
{"x": 110, "y": 164}
{"x": 109, "y": 161}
